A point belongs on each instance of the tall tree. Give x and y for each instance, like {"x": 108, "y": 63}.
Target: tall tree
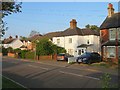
{"x": 92, "y": 27}
{"x": 7, "y": 7}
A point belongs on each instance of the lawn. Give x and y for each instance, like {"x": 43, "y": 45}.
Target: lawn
{"x": 6, "y": 83}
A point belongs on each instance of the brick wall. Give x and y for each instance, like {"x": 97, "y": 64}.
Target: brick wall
{"x": 11, "y": 55}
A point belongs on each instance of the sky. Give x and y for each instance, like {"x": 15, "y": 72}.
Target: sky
{"x": 47, "y": 17}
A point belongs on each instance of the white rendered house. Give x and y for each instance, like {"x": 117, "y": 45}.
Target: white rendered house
{"x": 76, "y": 41}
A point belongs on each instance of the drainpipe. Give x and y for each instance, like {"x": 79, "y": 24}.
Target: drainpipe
{"x": 116, "y": 44}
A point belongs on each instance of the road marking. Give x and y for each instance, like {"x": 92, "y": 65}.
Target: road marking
{"x": 37, "y": 67}
{"x": 15, "y": 82}
{"x": 79, "y": 75}
{"x": 92, "y": 70}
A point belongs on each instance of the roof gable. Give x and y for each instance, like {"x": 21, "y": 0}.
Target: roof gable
{"x": 111, "y": 22}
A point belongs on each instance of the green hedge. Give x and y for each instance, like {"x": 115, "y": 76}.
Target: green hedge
{"x": 30, "y": 55}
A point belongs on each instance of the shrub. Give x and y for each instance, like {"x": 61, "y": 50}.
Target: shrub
{"x": 4, "y": 51}
{"x": 30, "y": 55}
{"x": 22, "y": 53}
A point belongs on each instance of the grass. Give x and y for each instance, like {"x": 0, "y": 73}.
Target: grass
{"x": 6, "y": 83}
{"x": 104, "y": 64}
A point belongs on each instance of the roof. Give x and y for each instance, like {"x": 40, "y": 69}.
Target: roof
{"x": 52, "y": 34}
{"x": 84, "y": 45}
{"x": 8, "y": 41}
{"x": 33, "y": 38}
{"x": 111, "y": 43}
{"x": 23, "y": 46}
{"x": 111, "y": 22}
{"x": 78, "y": 31}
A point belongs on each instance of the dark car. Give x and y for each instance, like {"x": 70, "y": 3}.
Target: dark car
{"x": 89, "y": 57}
{"x": 63, "y": 57}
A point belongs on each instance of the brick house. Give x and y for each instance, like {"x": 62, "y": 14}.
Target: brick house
{"x": 110, "y": 36}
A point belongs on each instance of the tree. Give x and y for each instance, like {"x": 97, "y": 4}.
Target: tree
{"x": 87, "y": 26}
{"x": 46, "y": 47}
{"x": 58, "y": 49}
{"x": 7, "y": 9}
{"x": 92, "y": 27}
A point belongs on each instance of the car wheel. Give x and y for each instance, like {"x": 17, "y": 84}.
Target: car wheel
{"x": 89, "y": 62}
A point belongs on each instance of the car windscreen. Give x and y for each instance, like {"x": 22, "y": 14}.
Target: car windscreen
{"x": 86, "y": 55}
{"x": 61, "y": 54}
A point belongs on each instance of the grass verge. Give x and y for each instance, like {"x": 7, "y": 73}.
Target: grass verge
{"x": 6, "y": 83}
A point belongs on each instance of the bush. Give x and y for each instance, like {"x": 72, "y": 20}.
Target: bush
{"x": 22, "y": 53}
{"x": 30, "y": 55}
{"x": 4, "y": 51}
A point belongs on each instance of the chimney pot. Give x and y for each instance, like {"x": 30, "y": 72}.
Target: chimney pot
{"x": 73, "y": 24}
{"x": 110, "y": 10}
{"x": 16, "y": 36}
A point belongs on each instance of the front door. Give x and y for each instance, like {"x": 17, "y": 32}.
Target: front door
{"x": 81, "y": 51}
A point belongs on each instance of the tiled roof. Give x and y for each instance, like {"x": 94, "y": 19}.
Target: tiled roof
{"x": 8, "y": 41}
{"x": 52, "y": 34}
{"x": 111, "y": 43}
{"x": 111, "y": 22}
{"x": 35, "y": 37}
{"x": 78, "y": 31}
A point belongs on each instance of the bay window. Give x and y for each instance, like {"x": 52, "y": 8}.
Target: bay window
{"x": 111, "y": 51}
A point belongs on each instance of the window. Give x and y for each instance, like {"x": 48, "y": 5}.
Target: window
{"x": 119, "y": 52}
{"x": 112, "y": 33}
{"x": 118, "y": 31}
{"x": 111, "y": 52}
{"x": 70, "y": 51}
{"x": 79, "y": 52}
{"x": 70, "y": 40}
{"x": 58, "y": 41}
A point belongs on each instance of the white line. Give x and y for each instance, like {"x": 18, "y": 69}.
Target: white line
{"x": 38, "y": 67}
{"x": 15, "y": 82}
{"x": 79, "y": 75}
{"x": 50, "y": 64}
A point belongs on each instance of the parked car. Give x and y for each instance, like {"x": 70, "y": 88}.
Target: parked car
{"x": 63, "y": 57}
{"x": 89, "y": 57}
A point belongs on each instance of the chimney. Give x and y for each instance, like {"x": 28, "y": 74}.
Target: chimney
{"x": 73, "y": 24}
{"x": 10, "y": 37}
{"x": 16, "y": 36}
{"x": 110, "y": 10}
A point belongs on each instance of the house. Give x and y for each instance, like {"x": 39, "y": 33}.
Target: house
{"x": 76, "y": 41}
{"x": 12, "y": 42}
{"x": 110, "y": 35}
{"x": 27, "y": 45}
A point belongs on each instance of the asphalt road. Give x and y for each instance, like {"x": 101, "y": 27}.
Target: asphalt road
{"x": 52, "y": 74}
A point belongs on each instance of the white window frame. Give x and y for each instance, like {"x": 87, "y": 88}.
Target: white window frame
{"x": 109, "y": 53}
{"x": 70, "y": 51}
{"x": 70, "y": 40}
{"x": 112, "y": 29}
{"x": 118, "y": 52}
{"x": 58, "y": 41}
{"x": 118, "y": 33}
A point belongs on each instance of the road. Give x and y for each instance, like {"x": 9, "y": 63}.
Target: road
{"x": 52, "y": 74}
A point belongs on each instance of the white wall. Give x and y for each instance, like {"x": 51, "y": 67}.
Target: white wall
{"x": 15, "y": 44}
{"x": 78, "y": 40}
